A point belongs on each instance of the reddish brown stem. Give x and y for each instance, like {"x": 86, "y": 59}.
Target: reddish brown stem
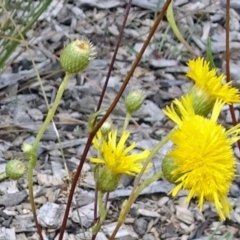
{"x": 106, "y": 83}
{"x": 227, "y": 60}
{"x": 110, "y": 109}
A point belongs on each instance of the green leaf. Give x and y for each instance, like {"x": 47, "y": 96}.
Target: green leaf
{"x": 209, "y": 55}
{"x": 92, "y": 118}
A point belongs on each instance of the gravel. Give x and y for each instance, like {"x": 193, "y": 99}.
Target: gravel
{"x": 161, "y": 74}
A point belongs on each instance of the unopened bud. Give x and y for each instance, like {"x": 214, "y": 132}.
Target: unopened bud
{"x": 202, "y": 103}
{"x": 134, "y": 100}
{"x": 168, "y": 166}
{"x": 15, "y": 169}
{"x": 107, "y": 180}
{"x": 106, "y": 127}
{"x": 76, "y": 56}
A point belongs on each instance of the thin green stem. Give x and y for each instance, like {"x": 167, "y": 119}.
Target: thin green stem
{"x": 3, "y": 176}
{"x": 52, "y": 110}
{"x": 136, "y": 190}
{"x": 146, "y": 183}
{"x": 102, "y": 213}
{"x": 128, "y": 204}
{"x": 172, "y": 23}
{"x": 32, "y": 162}
{"x": 126, "y": 121}
{"x": 31, "y": 151}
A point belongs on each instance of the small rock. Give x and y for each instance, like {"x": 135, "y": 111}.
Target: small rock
{"x": 148, "y": 237}
{"x": 113, "y": 30}
{"x": 236, "y": 217}
{"x": 163, "y": 201}
{"x": 48, "y": 180}
{"x": 20, "y": 116}
{"x": 162, "y": 63}
{"x": 140, "y": 226}
{"x": 114, "y": 82}
{"x": 24, "y": 223}
{"x": 7, "y": 233}
{"x": 233, "y": 4}
{"x": 234, "y": 190}
{"x": 9, "y": 200}
{"x": 184, "y": 215}
{"x": 234, "y": 20}
{"x": 35, "y": 114}
{"x": 149, "y": 4}
{"x": 101, "y": 236}
{"x": 50, "y": 215}
{"x": 123, "y": 233}
{"x": 138, "y": 46}
{"x": 106, "y": 4}
{"x": 148, "y": 213}
{"x": 150, "y": 112}
{"x": 86, "y": 214}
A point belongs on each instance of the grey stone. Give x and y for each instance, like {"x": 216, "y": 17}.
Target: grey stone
{"x": 234, "y": 190}
{"x": 50, "y": 215}
{"x": 13, "y": 199}
{"x": 140, "y": 226}
{"x": 148, "y": 237}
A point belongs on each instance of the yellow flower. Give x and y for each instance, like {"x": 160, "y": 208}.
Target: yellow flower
{"x": 116, "y": 155}
{"x": 203, "y": 156}
{"x": 210, "y": 83}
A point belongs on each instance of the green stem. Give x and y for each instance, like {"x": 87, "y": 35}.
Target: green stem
{"x": 102, "y": 213}
{"x": 145, "y": 184}
{"x": 137, "y": 189}
{"x": 3, "y": 176}
{"x": 126, "y": 121}
{"x": 52, "y": 110}
{"x": 31, "y": 150}
{"x": 31, "y": 164}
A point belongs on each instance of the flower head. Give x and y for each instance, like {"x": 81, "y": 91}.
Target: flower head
{"x": 209, "y": 83}
{"x": 77, "y": 55}
{"x": 203, "y": 156}
{"x": 15, "y": 169}
{"x": 134, "y": 100}
{"x": 116, "y": 155}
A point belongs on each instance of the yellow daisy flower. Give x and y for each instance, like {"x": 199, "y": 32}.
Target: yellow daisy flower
{"x": 210, "y": 83}
{"x": 203, "y": 156}
{"x": 116, "y": 155}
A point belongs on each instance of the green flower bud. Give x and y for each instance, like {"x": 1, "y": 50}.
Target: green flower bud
{"x": 15, "y": 169}
{"x": 76, "y": 56}
{"x": 107, "y": 180}
{"x": 168, "y": 166}
{"x": 134, "y": 100}
{"x": 27, "y": 147}
{"x": 202, "y": 103}
{"x": 106, "y": 127}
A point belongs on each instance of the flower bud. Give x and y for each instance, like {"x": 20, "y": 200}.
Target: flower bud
{"x": 134, "y": 100}
{"x": 106, "y": 127}
{"x": 168, "y": 166}
{"x": 15, "y": 169}
{"x": 76, "y": 56}
{"x": 202, "y": 103}
{"x": 107, "y": 180}
{"x": 26, "y": 147}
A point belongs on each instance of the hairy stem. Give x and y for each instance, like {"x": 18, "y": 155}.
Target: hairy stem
{"x": 136, "y": 190}
{"x": 32, "y": 152}
{"x": 52, "y": 110}
{"x": 126, "y": 122}
{"x": 102, "y": 217}
{"x": 3, "y": 176}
